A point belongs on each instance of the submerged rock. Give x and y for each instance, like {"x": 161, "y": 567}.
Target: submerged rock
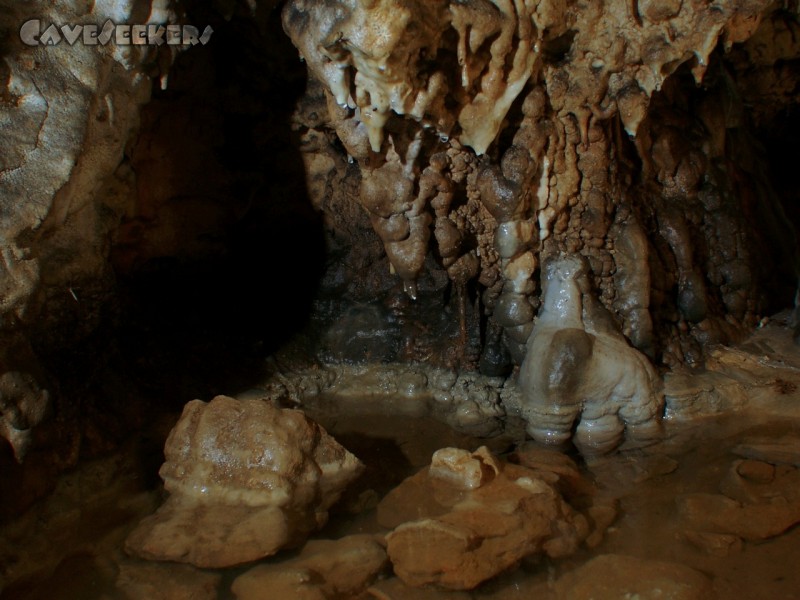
{"x": 166, "y": 582}
{"x": 612, "y": 576}
{"x": 324, "y": 569}
{"x": 470, "y": 517}
{"x": 784, "y": 450}
{"x": 245, "y": 479}
{"x": 753, "y": 506}
{"x": 760, "y": 499}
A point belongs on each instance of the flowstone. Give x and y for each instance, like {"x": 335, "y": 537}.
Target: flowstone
{"x": 579, "y": 368}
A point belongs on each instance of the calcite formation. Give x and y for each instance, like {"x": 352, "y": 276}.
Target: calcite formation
{"x": 450, "y": 147}
{"x": 67, "y": 113}
{"x": 475, "y": 516}
{"x": 613, "y": 576}
{"x": 245, "y": 479}
{"x": 491, "y": 136}
{"x": 23, "y": 405}
{"x": 340, "y": 568}
{"x": 74, "y": 108}
{"x": 579, "y": 368}
{"x": 759, "y": 499}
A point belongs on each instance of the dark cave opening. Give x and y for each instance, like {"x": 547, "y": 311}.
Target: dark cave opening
{"x": 212, "y": 311}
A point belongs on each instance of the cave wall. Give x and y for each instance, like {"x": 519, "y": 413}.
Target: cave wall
{"x": 496, "y": 135}
{"x": 432, "y": 156}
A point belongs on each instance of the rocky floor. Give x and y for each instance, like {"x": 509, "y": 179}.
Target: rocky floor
{"x": 709, "y": 510}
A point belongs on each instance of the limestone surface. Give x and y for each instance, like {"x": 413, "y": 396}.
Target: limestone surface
{"x": 758, "y": 501}
{"x": 166, "y": 582}
{"x": 470, "y": 517}
{"x": 613, "y": 576}
{"x": 245, "y": 479}
{"x": 68, "y": 112}
{"x": 580, "y": 369}
{"x": 323, "y": 569}
{"x": 489, "y": 136}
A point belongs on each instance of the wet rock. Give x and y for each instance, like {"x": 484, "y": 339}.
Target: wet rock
{"x": 751, "y": 481}
{"x": 758, "y": 501}
{"x": 659, "y": 10}
{"x": 689, "y": 396}
{"x": 756, "y": 471}
{"x": 555, "y": 466}
{"x": 396, "y": 589}
{"x": 324, "y": 569}
{"x": 715, "y": 544}
{"x": 155, "y": 581}
{"x": 613, "y": 576}
{"x": 601, "y": 514}
{"x": 560, "y": 470}
{"x": 579, "y": 368}
{"x": 781, "y": 451}
{"x": 463, "y": 469}
{"x": 716, "y": 513}
{"x": 495, "y": 359}
{"x": 23, "y": 405}
{"x": 461, "y": 535}
{"x": 245, "y": 479}
{"x": 377, "y": 40}
{"x": 631, "y": 468}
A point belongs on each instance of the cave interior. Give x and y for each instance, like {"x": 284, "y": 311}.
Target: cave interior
{"x": 536, "y": 335}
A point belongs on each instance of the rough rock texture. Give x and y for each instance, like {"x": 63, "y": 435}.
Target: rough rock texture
{"x": 324, "y": 569}
{"x": 612, "y": 576}
{"x": 67, "y": 113}
{"x": 782, "y": 451}
{"x": 166, "y": 582}
{"x": 245, "y": 479}
{"x": 470, "y": 517}
{"x": 22, "y": 406}
{"x": 578, "y": 367}
{"x": 491, "y": 137}
{"x": 759, "y": 500}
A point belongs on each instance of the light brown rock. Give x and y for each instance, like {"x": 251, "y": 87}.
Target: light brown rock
{"x": 715, "y": 544}
{"x": 324, "y": 569}
{"x": 719, "y": 514}
{"x": 463, "y": 537}
{"x": 612, "y": 577}
{"x": 561, "y": 468}
{"x": 246, "y": 479}
{"x": 464, "y": 469}
{"x": 394, "y": 589}
{"x": 154, "y": 581}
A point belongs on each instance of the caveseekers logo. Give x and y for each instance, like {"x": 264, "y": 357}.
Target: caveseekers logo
{"x": 35, "y": 33}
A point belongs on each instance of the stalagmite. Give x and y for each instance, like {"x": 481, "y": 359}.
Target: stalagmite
{"x": 578, "y": 371}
